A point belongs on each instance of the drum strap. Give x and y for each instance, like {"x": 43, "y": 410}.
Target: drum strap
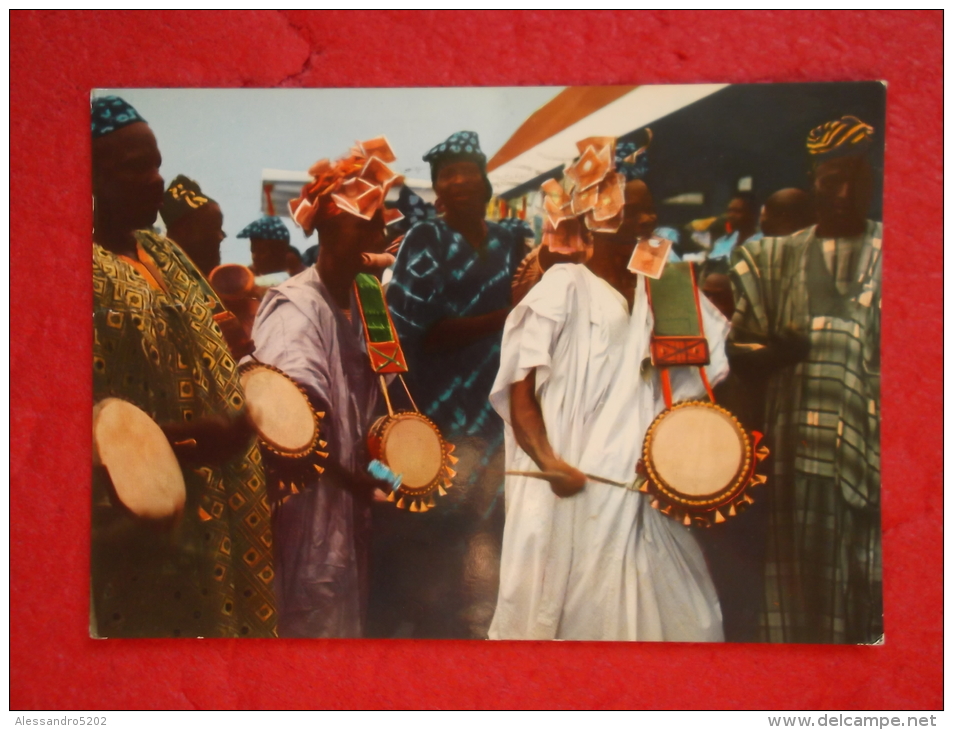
{"x": 678, "y": 336}
{"x": 383, "y": 345}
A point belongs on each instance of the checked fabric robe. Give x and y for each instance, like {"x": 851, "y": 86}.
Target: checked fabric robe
{"x": 823, "y": 577}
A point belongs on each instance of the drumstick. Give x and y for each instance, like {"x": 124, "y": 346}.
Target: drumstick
{"x": 556, "y": 475}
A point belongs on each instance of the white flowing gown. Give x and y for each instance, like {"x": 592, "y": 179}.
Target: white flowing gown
{"x": 601, "y": 565}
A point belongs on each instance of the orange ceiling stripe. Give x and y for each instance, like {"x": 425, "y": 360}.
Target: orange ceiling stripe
{"x": 568, "y": 107}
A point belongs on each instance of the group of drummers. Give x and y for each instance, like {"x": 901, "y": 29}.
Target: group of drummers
{"x": 491, "y": 443}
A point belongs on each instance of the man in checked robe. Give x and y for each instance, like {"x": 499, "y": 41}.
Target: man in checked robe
{"x": 808, "y": 313}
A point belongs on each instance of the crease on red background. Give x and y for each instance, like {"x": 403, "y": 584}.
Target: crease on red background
{"x": 57, "y": 57}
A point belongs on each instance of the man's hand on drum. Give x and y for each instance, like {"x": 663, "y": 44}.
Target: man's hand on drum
{"x": 360, "y": 484}
{"x": 210, "y": 440}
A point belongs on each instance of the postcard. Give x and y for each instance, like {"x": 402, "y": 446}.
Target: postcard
{"x": 488, "y": 363}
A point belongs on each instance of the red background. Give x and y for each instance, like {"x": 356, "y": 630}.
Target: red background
{"x": 57, "y": 57}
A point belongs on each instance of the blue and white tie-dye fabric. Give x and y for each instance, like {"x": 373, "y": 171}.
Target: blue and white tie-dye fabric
{"x": 437, "y": 275}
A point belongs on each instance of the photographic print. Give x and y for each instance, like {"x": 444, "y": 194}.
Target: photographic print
{"x": 574, "y": 363}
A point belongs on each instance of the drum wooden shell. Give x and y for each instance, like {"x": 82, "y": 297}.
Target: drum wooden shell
{"x": 410, "y": 445}
{"x": 288, "y": 427}
{"x": 142, "y": 467}
{"x": 697, "y": 458}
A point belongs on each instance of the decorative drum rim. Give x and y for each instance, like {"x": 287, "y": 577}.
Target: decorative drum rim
{"x": 693, "y": 502}
{"x": 379, "y": 433}
{"x": 270, "y": 446}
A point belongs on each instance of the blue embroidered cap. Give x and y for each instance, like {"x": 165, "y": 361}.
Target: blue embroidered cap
{"x": 110, "y": 113}
{"x": 269, "y": 228}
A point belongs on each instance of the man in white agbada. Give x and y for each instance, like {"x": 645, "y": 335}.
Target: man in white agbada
{"x": 581, "y": 559}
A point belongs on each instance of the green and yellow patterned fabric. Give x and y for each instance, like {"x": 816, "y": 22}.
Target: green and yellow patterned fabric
{"x": 160, "y": 349}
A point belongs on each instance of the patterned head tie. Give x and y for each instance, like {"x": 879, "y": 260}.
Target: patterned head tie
{"x": 458, "y": 147}
{"x": 355, "y": 184}
{"x": 110, "y": 113}
{"x": 840, "y": 138}
{"x": 268, "y": 228}
{"x": 183, "y": 196}
{"x": 595, "y": 196}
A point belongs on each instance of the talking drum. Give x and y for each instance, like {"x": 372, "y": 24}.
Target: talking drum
{"x": 410, "y": 445}
{"x": 288, "y": 427}
{"x": 137, "y": 455}
{"x": 698, "y": 462}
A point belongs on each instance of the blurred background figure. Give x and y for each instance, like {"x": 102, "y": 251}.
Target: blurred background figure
{"x": 235, "y": 286}
{"x": 741, "y": 226}
{"x": 310, "y": 255}
{"x": 295, "y": 261}
{"x": 270, "y": 250}
{"x": 194, "y": 221}
{"x": 785, "y": 212}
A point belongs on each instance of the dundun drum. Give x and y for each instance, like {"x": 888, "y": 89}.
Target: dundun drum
{"x": 696, "y": 451}
{"x": 279, "y": 410}
{"x": 142, "y": 467}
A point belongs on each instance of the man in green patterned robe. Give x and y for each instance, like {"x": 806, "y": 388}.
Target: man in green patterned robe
{"x": 808, "y": 318}
{"x": 156, "y": 344}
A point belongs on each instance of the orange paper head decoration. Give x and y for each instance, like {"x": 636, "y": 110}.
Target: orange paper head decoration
{"x": 594, "y": 199}
{"x": 356, "y": 184}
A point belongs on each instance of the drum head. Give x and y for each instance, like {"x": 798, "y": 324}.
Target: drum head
{"x": 280, "y": 411}
{"x": 697, "y": 450}
{"x": 412, "y": 449}
{"x": 143, "y": 469}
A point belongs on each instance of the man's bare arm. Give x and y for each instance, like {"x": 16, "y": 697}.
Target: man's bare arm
{"x": 530, "y": 431}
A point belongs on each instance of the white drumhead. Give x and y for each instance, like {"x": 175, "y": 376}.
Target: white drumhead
{"x": 412, "y": 449}
{"x": 281, "y": 413}
{"x": 697, "y": 450}
{"x": 143, "y": 469}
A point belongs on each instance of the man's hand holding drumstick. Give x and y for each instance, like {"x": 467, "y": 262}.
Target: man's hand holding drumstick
{"x": 530, "y": 431}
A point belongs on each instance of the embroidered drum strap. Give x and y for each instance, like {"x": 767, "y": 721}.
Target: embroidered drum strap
{"x": 383, "y": 346}
{"x": 678, "y": 337}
